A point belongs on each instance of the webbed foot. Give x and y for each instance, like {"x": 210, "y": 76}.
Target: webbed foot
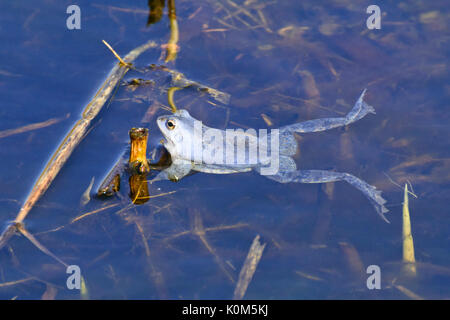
{"x": 359, "y": 110}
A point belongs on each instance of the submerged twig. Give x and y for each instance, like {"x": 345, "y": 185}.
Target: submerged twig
{"x": 396, "y": 184}
{"x": 38, "y": 245}
{"x": 84, "y": 215}
{"x": 408, "y": 292}
{"x": 30, "y": 127}
{"x": 20, "y": 228}
{"x": 199, "y": 231}
{"x": 249, "y": 268}
{"x": 13, "y": 283}
{"x": 116, "y": 54}
{"x": 74, "y": 137}
{"x": 155, "y": 274}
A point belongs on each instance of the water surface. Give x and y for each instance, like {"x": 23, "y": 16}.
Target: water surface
{"x": 289, "y": 60}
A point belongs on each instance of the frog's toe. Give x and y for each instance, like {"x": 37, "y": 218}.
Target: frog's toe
{"x": 374, "y": 195}
{"x": 364, "y": 106}
{"x": 378, "y": 202}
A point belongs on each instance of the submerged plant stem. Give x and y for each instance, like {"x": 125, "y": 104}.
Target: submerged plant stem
{"x": 170, "y": 93}
{"x": 172, "y": 45}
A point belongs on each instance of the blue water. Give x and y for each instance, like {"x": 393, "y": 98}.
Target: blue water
{"x": 48, "y": 71}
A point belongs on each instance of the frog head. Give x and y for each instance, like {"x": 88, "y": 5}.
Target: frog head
{"x": 178, "y": 131}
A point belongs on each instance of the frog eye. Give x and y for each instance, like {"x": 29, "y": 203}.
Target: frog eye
{"x": 170, "y": 124}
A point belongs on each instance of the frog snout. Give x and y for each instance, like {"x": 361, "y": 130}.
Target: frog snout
{"x": 160, "y": 121}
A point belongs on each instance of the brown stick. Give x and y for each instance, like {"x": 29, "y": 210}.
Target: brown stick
{"x": 138, "y": 162}
{"x": 73, "y": 138}
{"x": 138, "y": 150}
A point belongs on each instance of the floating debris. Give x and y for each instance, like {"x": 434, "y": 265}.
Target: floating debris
{"x": 329, "y": 28}
{"x": 50, "y": 292}
{"x": 75, "y": 135}
{"x": 309, "y": 84}
{"x": 84, "y": 215}
{"x": 13, "y": 283}
{"x": 353, "y": 259}
{"x": 308, "y": 276}
{"x": 31, "y": 127}
{"x": 135, "y": 83}
{"x": 266, "y": 119}
{"x": 408, "y": 292}
{"x": 249, "y": 268}
{"x": 156, "y": 8}
{"x": 86, "y": 196}
{"x": 408, "y": 243}
{"x": 179, "y": 80}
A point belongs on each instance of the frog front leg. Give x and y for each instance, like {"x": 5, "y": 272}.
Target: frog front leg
{"x": 359, "y": 110}
{"x": 177, "y": 170}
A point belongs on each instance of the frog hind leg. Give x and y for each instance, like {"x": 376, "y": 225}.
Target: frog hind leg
{"x": 359, "y": 111}
{"x": 322, "y": 176}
